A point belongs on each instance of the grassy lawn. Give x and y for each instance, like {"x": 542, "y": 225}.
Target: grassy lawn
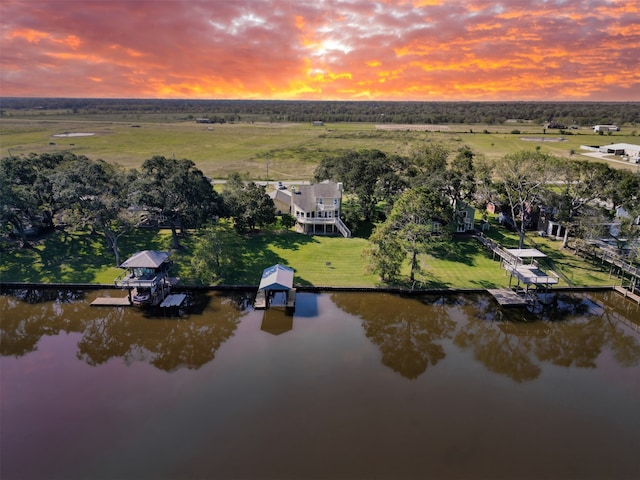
{"x": 317, "y": 260}
{"x": 75, "y": 258}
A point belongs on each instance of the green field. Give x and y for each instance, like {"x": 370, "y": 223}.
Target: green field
{"x": 292, "y": 149}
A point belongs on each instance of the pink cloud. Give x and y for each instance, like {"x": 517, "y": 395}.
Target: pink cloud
{"x": 331, "y": 49}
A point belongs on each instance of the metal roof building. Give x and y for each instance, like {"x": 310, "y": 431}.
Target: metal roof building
{"x": 277, "y": 277}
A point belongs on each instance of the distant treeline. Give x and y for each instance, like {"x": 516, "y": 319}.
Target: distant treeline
{"x": 567, "y": 113}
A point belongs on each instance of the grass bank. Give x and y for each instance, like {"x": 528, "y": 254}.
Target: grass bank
{"x": 318, "y": 261}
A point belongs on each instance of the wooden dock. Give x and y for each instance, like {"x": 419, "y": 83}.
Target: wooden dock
{"x": 291, "y": 298}
{"x": 507, "y": 298}
{"x": 111, "y": 302}
{"x": 260, "y": 303}
{"x": 263, "y": 299}
{"x": 627, "y": 294}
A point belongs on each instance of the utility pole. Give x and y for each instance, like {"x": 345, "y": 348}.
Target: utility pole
{"x": 267, "y": 172}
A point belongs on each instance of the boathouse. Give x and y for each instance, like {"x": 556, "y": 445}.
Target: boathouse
{"x": 146, "y": 277}
{"x": 276, "y": 279}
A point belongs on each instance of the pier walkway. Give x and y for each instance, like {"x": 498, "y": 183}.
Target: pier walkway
{"x": 627, "y": 294}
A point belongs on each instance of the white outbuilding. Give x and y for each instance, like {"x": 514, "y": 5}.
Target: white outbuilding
{"x": 628, "y": 150}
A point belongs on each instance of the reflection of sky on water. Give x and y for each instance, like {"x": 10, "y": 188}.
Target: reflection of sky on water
{"x": 319, "y": 400}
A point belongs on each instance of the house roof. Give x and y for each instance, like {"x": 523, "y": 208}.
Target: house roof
{"x": 306, "y": 198}
{"x": 622, "y": 146}
{"x": 276, "y": 277}
{"x": 283, "y": 196}
{"x": 146, "y": 259}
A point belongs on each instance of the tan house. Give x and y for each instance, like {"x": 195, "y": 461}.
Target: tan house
{"x": 316, "y": 208}
{"x": 282, "y": 201}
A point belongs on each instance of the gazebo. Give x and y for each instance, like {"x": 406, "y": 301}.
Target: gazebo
{"x": 276, "y": 278}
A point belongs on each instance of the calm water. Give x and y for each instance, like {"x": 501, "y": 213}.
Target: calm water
{"x": 351, "y": 386}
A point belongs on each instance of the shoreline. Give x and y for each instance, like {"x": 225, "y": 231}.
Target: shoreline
{"x": 300, "y": 288}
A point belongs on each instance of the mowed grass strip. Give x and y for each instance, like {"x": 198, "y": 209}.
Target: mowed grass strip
{"x": 328, "y": 261}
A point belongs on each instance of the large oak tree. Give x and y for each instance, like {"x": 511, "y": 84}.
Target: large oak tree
{"x": 177, "y": 192}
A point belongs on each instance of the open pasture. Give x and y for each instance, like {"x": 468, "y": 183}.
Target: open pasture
{"x": 291, "y": 149}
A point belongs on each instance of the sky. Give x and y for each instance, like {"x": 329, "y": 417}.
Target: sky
{"x": 418, "y": 50}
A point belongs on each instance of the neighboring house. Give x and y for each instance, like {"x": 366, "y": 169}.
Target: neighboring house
{"x": 464, "y": 216}
{"x": 317, "y": 208}
{"x": 621, "y": 213}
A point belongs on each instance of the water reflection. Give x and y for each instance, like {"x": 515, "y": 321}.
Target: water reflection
{"x": 127, "y": 333}
{"x": 408, "y": 331}
{"x": 46, "y": 314}
{"x": 277, "y": 321}
{"x": 572, "y": 332}
{"x": 566, "y": 331}
{"x": 362, "y": 386}
{"x": 412, "y": 334}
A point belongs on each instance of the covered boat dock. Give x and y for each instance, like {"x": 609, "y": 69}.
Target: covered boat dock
{"x": 522, "y": 264}
{"x": 276, "y": 279}
{"x": 146, "y": 278}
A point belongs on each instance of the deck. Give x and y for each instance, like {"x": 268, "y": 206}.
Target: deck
{"x": 531, "y": 275}
{"x": 111, "y": 302}
{"x": 507, "y": 298}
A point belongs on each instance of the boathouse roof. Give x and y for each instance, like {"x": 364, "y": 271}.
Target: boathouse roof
{"x": 526, "y": 252}
{"x": 277, "y": 277}
{"x": 146, "y": 259}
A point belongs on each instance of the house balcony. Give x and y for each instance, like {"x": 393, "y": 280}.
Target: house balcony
{"x": 335, "y": 222}
{"x": 316, "y": 220}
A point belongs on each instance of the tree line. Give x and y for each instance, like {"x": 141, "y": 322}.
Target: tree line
{"x": 403, "y": 112}
{"x": 43, "y": 192}
{"x": 414, "y": 203}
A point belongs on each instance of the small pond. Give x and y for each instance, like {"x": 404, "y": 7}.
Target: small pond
{"x": 353, "y": 385}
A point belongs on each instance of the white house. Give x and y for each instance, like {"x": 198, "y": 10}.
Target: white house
{"x": 317, "y": 208}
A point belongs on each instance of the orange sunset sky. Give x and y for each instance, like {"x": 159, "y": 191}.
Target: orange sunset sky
{"x": 322, "y": 49}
